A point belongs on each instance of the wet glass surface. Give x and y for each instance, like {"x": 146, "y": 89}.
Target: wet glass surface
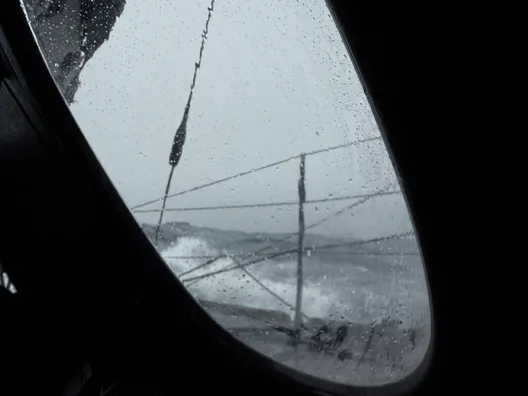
{"x": 240, "y": 136}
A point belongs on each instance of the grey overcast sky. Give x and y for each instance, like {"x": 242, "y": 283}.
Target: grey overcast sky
{"x": 275, "y": 81}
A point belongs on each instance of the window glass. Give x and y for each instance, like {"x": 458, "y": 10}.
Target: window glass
{"x": 240, "y": 136}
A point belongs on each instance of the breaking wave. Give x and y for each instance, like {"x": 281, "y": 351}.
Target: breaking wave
{"x": 345, "y": 295}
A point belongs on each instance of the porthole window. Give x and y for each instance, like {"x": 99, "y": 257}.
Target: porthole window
{"x": 240, "y": 136}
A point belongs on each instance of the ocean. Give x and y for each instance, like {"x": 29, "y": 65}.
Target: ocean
{"x": 377, "y": 290}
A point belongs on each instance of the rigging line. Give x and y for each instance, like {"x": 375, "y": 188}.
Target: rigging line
{"x": 169, "y": 180}
{"x": 204, "y": 38}
{"x": 210, "y": 256}
{"x": 263, "y": 205}
{"x": 400, "y": 235}
{"x": 266, "y": 288}
{"x": 181, "y": 132}
{"x": 306, "y": 249}
{"x": 198, "y": 64}
{"x": 342, "y": 145}
{"x": 277, "y": 244}
{"x": 204, "y": 257}
{"x": 235, "y": 176}
{"x": 214, "y": 182}
{"x": 347, "y": 208}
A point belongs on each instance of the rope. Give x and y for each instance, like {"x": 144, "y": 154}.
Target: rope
{"x": 354, "y": 143}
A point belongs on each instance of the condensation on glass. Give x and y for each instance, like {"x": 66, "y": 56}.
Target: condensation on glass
{"x": 283, "y": 215}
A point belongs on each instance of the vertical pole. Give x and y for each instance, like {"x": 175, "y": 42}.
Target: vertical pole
{"x": 300, "y": 247}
